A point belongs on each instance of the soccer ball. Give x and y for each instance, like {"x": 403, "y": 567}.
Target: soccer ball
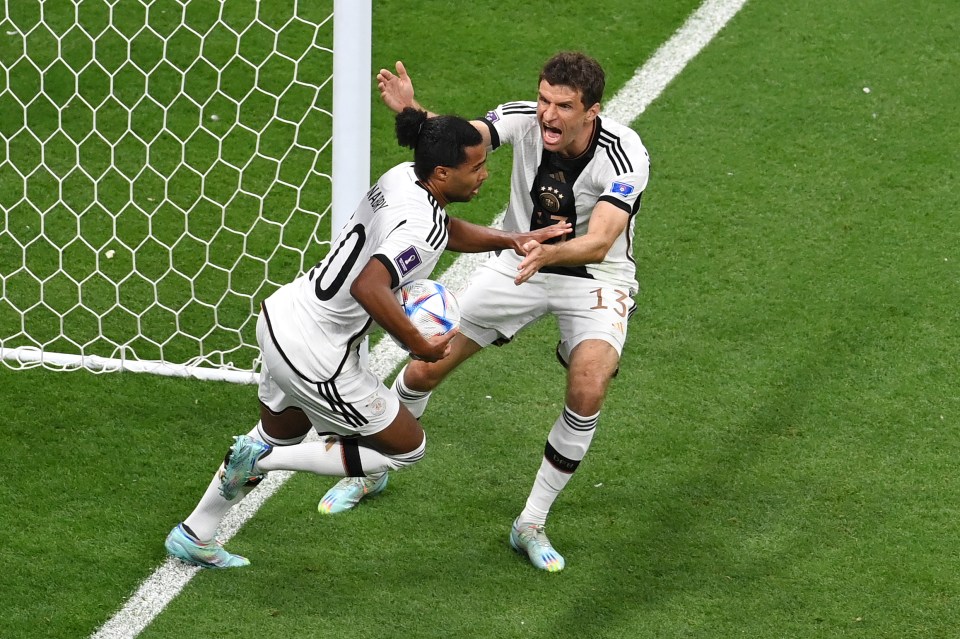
{"x": 430, "y": 306}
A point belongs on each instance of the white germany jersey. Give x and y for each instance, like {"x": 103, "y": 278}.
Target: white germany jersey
{"x": 314, "y": 320}
{"x": 547, "y": 188}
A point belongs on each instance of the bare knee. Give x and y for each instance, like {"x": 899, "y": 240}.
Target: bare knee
{"x": 421, "y": 376}
{"x": 586, "y": 397}
{"x": 593, "y": 364}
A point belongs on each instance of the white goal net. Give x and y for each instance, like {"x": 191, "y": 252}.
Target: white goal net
{"x": 164, "y": 166}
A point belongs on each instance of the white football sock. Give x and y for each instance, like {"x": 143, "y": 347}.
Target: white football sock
{"x": 212, "y": 507}
{"x": 327, "y": 458}
{"x": 414, "y": 400}
{"x": 567, "y": 443}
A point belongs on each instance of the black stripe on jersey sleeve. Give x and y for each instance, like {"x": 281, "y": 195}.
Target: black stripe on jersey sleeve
{"x": 612, "y": 145}
{"x": 521, "y": 108}
{"x": 388, "y": 264}
{"x": 437, "y": 238}
{"x": 494, "y": 136}
{"x": 617, "y": 159}
{"x": 620, "y": 204}
{"x": 444, "y": 234}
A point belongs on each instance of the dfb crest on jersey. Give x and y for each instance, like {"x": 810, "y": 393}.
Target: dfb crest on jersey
{"x": 376, "y": 404}
{"x": 549, "y": 200}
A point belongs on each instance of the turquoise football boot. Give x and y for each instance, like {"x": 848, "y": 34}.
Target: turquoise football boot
{"x": 238, "y": 467}
{"x": 348, "y": 492}
{"x": 184, "y": 547}
{"x": 531, "y": 540}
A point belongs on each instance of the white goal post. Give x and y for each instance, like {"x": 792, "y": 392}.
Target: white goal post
{"x": 164, "y": 166}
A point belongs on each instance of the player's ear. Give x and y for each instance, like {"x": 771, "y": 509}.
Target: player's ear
{"x": 593, "y": 112}
{"x": 441, "y": 173}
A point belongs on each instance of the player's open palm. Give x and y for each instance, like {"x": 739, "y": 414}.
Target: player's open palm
{"x": 536, "y": 255}
{"x": 396, "y": 90}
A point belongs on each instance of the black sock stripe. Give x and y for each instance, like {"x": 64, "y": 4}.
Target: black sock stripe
{"x": 410, "y": 395}
{"x": 558, "y": 461}
{"x": 575, "y": 422}
{"x": 411, "y": 458}
{"x": 350, "y": 451}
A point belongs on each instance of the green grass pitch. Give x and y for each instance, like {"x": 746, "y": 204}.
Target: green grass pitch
{"x": 777, "y": 458}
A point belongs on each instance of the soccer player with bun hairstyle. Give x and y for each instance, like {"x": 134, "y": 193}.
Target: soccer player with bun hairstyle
{"x": 438, "y": 141}
{"x": 570, "y": 164}
{"x": 310, "y": 329}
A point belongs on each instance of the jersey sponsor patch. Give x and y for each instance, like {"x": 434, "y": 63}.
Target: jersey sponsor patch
{"x": 621, "y": 188}
{"x": 491, "y": 117}
{"x": 408, "y": 260}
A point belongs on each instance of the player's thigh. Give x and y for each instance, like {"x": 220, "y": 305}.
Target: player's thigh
{"x": 288, "y": 426}
{"x": 589, "y": 310}
{"x": 492, "y": 307}
{"x": 354, "y": 403}
{"x": 281, "y": 420}
{"x": 593, "y": 363}
{"x": 403, "y": 435}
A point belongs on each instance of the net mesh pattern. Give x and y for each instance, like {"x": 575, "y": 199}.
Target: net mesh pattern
{"x": 164, "y": 166}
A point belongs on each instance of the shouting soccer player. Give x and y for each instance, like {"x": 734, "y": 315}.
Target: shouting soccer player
{"x": 570, "y": 164}
{"x": 309, "y": 332}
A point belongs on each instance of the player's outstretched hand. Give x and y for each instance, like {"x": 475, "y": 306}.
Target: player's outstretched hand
{"x": 396, "y": 91}
{"x": 438, "y": 347}
{"x": 541, "y": 235}
{"x": 536, "y": 256}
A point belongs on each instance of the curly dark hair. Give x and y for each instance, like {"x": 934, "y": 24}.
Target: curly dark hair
{"x": 439, "y": 141}
{"x": 577, "y": 71}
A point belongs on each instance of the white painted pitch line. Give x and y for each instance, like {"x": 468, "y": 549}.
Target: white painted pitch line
{"x": 669, "y": 60}
{"x": 168, "y": 580}
{"x": 646, "y": 85}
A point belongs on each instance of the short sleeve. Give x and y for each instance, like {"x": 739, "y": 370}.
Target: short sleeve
{"x": 510, "y": 121}
{"x": 412, "y": 250}
{"x": 624, "y": 191}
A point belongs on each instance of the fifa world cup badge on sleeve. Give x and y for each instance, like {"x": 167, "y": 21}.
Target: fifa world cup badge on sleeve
{"x": 408, "y": 260}
{"x": 621, "y": 188}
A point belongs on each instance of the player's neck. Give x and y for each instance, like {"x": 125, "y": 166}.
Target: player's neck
{"x": 435, "y": 192}
{"x": 582, "y": 144}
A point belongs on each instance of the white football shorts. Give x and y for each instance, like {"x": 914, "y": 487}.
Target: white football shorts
{"x": 493, "y": 308}
{"x": 356, "y": 402}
